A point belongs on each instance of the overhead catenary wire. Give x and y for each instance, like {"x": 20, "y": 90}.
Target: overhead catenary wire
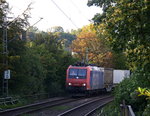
{"x": 34, "y": 23}
{"x": 81, "y": 13}
{"x": 65, "y": 14}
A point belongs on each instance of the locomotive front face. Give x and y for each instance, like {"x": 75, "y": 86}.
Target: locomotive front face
{"x": 76, "y": 79}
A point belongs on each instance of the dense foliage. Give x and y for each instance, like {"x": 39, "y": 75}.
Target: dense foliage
{"x": 126, "y": 90}
{"x": 41, "y": 67}
{"x": 92, "y": 47}
{"x": 125, "y": 25}
{"x": 88, "y": 45}
{"x": 37, "y": 64}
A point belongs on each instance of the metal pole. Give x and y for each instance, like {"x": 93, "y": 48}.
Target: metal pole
{"x": 5, "y": 55}
{"x": 87, "y": 60}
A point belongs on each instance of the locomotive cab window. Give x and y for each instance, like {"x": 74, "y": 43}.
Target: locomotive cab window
{"x": 77, "y": 73}
{"x": 82, "y": 73}
{"x": 73, "y": 72}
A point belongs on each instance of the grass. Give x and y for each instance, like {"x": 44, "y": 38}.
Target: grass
{"x": 10, "y": 106}
{"x": 108, "y": 110}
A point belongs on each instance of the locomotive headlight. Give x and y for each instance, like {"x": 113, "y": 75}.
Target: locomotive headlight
{"x": 69, "y": 84}
{"x": 83, "y": 84}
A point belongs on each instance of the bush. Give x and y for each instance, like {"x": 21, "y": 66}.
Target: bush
{"x": 147, "y": 110}
{"x": 126, "y": 90}
{"x": 107, "y": 110}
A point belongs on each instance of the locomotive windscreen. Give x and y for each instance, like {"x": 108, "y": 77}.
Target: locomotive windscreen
{"x": 77, "y": 73}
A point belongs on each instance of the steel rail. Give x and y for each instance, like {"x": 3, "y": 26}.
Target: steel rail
{"x": 35, "y": 107}
{"x": 71, "y": 112}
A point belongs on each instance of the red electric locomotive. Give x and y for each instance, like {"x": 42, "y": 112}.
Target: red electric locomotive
{"x": 88, "y": 78}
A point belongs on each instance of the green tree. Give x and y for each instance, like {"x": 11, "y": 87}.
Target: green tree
{"x": 65, "y": 38}
{"x": 56, "y": 29}
{"x": 127, "y": 23}
{"x": 3, "y": 5}
{"x": 55, "y": 62}
{"x": 38, "y": 65}
{"x": 27, "y": 70}
{"x": 14, "y": 30}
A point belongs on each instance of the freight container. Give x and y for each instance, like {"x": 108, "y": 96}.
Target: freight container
{"x": 108, "y": 76}
{"x": 96, "y": 78}
{"x": 120, "y": 75}
{"x": 101, "y": 79}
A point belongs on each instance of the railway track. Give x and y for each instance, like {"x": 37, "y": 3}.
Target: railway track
{"x": 36, "y": 106}
{"x": 86, "y": 106}
{"x": 86, "y": 109}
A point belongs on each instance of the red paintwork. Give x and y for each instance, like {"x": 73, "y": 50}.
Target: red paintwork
{"x": 79, "y": 82}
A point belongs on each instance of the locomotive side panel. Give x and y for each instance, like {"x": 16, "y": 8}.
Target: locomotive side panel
{"x": 96, "y": 80}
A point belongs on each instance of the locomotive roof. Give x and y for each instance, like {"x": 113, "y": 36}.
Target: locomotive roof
{"x": 92, "y": 67}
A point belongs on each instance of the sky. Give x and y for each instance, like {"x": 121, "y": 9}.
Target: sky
{"x": 69, "y": 14}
